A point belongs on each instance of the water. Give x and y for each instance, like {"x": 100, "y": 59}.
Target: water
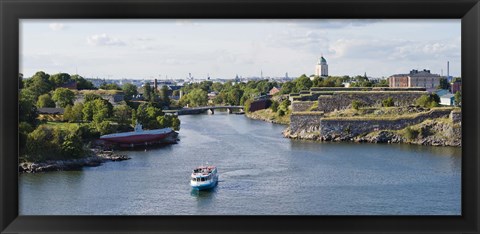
{"x": 261, "y": 173}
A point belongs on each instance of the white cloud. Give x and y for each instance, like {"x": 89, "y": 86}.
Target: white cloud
{"x": 186, "y": 22}
{"x": 334, "y": 23}
{"x": 56, "y": 26}
{"x": 104, "y": 40}
{"x": 393, "y": 49}
{"x": 361, "y": 48}
{"x": 309, "y": 41}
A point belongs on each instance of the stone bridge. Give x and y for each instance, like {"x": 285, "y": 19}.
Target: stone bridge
{"x": 202, "y": 109}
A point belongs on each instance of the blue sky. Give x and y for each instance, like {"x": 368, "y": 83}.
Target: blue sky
{"x": 161, "y": 48}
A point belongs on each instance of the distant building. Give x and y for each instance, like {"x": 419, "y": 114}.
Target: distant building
{"x": 456, "y": 86}
{"x": 447, "y": 99}
{"x": 442, "y": 92}
{"x": 321, "y": 69}
{"x": 70, "y": 85}
{"x": 415, "y": 78}
{"x": 50, "y": 111}
{"x": 274, "y": 91}
{"x": 212, "y": 95}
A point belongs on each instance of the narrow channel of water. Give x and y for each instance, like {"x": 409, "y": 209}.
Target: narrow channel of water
{"x": 260, "y": 173}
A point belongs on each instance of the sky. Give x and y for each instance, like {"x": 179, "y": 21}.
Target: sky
{"x": 173, "y": 48}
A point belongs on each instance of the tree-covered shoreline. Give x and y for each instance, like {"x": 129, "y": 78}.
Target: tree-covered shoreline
{"x": 82, "y": 121}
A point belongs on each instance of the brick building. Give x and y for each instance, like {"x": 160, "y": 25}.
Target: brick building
{"x": 456, "y": 86}
{"x": 415, "y": 78}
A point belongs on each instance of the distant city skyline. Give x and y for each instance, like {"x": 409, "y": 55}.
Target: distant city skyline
{"x": 148, "y": 49}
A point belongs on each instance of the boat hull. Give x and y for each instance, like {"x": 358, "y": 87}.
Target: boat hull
{"x": 205, "y": 186}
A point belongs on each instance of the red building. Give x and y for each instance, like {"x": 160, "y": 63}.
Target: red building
{"x": 70, "y": 85}
{"x": 415, "y": 78}
{"x": 456, "y": 86}
{"x": 274, "y": 91}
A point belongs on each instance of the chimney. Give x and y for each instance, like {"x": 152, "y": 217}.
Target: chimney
{"x": 155, "y": 84}
{"x": 448, "y": 69}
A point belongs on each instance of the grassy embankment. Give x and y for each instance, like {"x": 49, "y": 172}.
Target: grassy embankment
{"x": 383, "y": 113}
{"x": 270, "y": 116}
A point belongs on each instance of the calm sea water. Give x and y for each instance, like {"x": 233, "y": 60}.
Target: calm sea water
{"x": 260, "y": 173}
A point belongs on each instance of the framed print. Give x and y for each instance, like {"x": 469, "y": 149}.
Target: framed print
{"x": 239, "y": 116}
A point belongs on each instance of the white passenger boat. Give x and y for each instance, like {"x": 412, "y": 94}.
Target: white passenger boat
{"x": 204, "y": 177}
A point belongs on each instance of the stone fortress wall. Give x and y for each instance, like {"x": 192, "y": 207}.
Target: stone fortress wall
{"x": 338, "y": 98}
{"x": 305, "y": 119}
{"x": 343, "y": 99}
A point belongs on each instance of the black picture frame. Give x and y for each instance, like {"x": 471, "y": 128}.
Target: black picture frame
{"x": 13, "y": 10}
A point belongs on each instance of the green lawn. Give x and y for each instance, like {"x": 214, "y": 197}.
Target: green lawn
{"x": 61, "y": 124}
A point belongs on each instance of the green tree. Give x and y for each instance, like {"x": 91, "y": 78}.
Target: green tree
{"x": 63, "y": 97}
{"x": 284, "y": 105}
{"x": 303, "y": 83}
{"x": 458, "y": 98}
{"x": 91, "y": 97}
{"x": 147, "y": 92}
{"x": 24, "y": 129}
{"x": 102, "y": 110}
{"x": 247, "y": 105}
{"x": 317, "y": 81}
{"x": 110, "y": 86}
{"x": 104, "y": 127}
{"x": 129, "y": 90}
{"x": 59, "y": 79}
{"x": 54, "y": 143}
{"x": 122, "y": 114}
{"x": 98, "y": 110}
{"x": 73, "y": 114}
{"x": 175, "y": 123}
{"x": 443, "y": 84}
{"x": 217, "y": 86}
{"x": 164, "y": 99}
{"x": 147, "y": 114}
{"x": 82, "y": 83}
{"x": 38, "y": 84}
{"x": 274, "y": 106}
{"x": 45, "y": 100}
{"x": 288, "y": 88}
{"x": 382, "y": 83}
{"x": 196, "y": 97}
{"x": 27, "y": 110}
{"x": 77, "y": 112}
{"x": 167, "y": 121}
{"x": 234, "y": 96}
{"x": 38, "y": 144}
{"x": 428, "y": 101}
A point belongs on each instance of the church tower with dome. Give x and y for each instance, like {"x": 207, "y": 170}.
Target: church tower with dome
{"x": 321, "y": 69}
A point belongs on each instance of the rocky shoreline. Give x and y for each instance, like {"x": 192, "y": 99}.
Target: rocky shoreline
{"x": 95, "y": 158}
{"x": 431, "y": 133}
